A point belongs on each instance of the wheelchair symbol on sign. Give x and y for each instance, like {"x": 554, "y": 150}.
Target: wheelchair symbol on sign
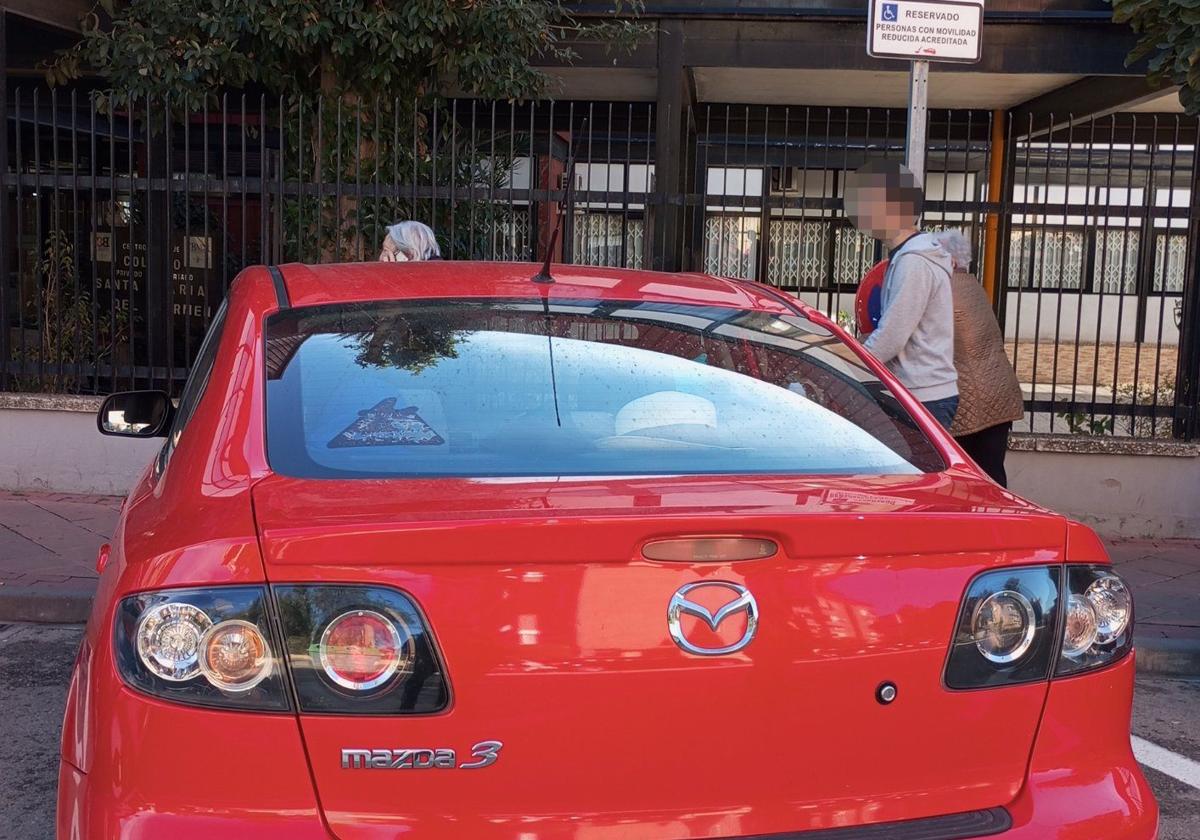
{"x": 890, "y": 12}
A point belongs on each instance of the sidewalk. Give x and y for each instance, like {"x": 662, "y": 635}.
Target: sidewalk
{"x": 1165, "y": 578}
{"x": 48, "y": 545}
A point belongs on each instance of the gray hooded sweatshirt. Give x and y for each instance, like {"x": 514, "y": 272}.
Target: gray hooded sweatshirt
{"x": 915, "y": 336}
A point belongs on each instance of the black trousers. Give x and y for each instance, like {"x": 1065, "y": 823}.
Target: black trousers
{"x": 987, "y": 448}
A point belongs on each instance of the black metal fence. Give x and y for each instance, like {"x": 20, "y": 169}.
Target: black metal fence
{"x": 125, "y": 221}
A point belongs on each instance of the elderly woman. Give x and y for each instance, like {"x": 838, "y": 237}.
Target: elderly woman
{"x": 989, "y": 395}
{"x": 409, "y": 242}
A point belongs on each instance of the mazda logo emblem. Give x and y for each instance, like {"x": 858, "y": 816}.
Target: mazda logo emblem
{"x": 741, "y": 601}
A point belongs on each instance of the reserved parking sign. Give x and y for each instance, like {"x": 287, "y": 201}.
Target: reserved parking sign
{"x": 928, "y": 30}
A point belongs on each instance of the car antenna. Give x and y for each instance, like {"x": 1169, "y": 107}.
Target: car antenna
{"x": 544, "y": 276}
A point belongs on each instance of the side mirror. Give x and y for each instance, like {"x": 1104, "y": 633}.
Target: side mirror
{"x": 139, "y": 414}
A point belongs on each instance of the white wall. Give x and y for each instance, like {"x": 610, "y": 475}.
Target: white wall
{"x": 1123, "y": 494}
{"x": 61, "y": 450}
{"x": 1060, "y": 312}
{"x": 1060, "y": 317}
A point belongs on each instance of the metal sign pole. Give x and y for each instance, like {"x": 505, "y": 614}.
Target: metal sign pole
{"x": 918, "y": 97}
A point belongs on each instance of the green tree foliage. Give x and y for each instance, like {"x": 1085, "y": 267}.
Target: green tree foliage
{"x": 355, "y": 83}
{"x": 369, "y": 147}
{"x": 1169, "y": 36}
{"x": 188, "y": 49}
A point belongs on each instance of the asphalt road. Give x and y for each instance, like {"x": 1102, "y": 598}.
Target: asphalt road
{"x": 35, "y": 663}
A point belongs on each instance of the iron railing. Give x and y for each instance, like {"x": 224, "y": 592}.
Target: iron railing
{"x": 125, "y": 221}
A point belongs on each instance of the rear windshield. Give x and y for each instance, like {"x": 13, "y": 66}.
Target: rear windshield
{"x": 524, "y": 388}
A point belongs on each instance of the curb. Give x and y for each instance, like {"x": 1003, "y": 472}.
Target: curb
{"x": 1168, "y": 657}
{"x": 46, "y": 604}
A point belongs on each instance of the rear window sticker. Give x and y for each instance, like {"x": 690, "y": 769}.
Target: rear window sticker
{"x": 385, "y": 425}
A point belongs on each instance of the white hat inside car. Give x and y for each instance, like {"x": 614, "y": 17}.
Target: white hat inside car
{"x": 665, "y": 408}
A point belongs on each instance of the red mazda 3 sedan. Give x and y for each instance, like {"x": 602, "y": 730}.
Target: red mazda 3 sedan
{"x": 458, "y": 550}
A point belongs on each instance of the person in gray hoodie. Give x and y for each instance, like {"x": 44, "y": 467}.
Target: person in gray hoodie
{"x": 915, "y": 335}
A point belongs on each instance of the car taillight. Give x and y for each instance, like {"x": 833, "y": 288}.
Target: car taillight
{"x": 235, "y": 656}
{"x": 1099, "y": 623}
{"x": 1007, "y": 628}
{"x": 362, "y": 650}
{"x": 359, "y": 650}
{"x": 209, "y": 647}
{"x": 349, "y": 649}
{"x": 1009, "y": 632}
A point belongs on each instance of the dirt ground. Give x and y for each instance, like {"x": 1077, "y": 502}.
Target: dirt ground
{"x": 1121, "y": 365}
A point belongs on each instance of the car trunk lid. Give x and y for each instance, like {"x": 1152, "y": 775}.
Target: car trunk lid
{"x": 554, "y": 631}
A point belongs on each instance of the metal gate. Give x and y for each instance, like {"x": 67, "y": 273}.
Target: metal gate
{"x": 123, "y": 226}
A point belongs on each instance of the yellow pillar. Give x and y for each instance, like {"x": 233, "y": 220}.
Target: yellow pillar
{"x": 991, "y": 241}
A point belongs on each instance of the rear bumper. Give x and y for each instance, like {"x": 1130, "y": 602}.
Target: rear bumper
{"x": 1053, "y": 811}
{"x": 90, "y": 808}
{"x": 1083, "y": 782}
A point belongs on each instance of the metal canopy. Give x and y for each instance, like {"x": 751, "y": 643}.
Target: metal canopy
{"x": 811, "y": 52}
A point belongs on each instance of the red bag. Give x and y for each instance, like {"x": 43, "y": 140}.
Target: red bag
{"x": 868, "y": 302}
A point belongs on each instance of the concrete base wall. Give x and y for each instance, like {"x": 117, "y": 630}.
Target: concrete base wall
{"x": 1121, "y": 487}
{"x": 51, "y": 443}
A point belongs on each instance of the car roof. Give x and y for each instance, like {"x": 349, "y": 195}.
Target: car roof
{"x": 315, "y": 285}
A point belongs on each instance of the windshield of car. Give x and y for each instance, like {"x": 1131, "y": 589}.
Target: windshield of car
{"x": 560, "y": 387}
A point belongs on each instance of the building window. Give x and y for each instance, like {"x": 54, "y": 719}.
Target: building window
{"x": 1046, "y": 259}
{"x": 731, "y": 246}
{"x": 1170, "y": 262}
{"x": 609, "y": 239}
{"x": 510, "y": 236}
{"x": 798, "y": 252}
{"x": 855, "y": 255}
{"x": 1117, "y": 261}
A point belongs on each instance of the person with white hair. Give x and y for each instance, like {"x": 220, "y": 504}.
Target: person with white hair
{"x": 989, "y": 395}
{"x": 409, "y": 242}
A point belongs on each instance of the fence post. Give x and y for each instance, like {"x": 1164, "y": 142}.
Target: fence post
{"x": 158, "y": 246}
{"x": 6, "y": 243}
{"x": 1187, "y": 373}
{"x": 670, "y": 131}
{"x": 697, "y": 186}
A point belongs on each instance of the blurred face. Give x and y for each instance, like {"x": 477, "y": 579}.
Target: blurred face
{"x": 874, "y": 205}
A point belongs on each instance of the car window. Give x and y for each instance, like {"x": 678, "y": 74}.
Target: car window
{"x": 196, "y": 383}
{"x": 574, "y": 388}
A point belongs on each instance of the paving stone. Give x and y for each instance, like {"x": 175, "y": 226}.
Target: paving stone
{"x": 1138, "y": 577}
{"x": 1169, "y": 567}
{"x": 72, "y": 546}
{"x": 18, "y": 552}
{"x": 97, "y": 519}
